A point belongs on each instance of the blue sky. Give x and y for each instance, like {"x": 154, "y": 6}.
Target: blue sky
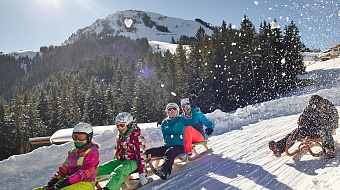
{"x": 30, "y": 24}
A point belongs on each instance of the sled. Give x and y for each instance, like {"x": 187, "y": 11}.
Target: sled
{"x": 194, "y": 150}
{"x": 305, "y": 144}
{"x": 130, "y": 183}
{"x": 179, "y": 159}
{"x": 154, "y": 162}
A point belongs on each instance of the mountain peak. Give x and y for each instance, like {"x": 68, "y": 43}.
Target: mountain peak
{"x": 152, "y": 26}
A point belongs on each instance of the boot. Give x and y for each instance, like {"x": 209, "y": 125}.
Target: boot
{"x": 329, "y": 151}
{"x": 160, "y": 173}
{"x": 276, "y": 148}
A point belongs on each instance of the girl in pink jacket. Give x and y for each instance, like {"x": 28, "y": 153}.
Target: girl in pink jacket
{"x": 81, "y": 164}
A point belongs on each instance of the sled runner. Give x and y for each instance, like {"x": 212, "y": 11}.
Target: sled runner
{"x": 195, "y": 154}
{"x": 130, "y": 183}
{"x": 185, "y": 157}
{"x": 155, "y": 162}
{"x": 305, "y": 144}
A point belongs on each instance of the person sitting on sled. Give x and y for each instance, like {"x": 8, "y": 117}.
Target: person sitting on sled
{"x": 173, "y": 128}
{"x": 129, "y": 154}
{"x": 80, "y": 167}
{"x": 319, "y": 119}
{"x": 195, "y": 133}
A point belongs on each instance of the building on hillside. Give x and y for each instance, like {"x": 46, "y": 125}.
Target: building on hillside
{"x": 335, "y": 51}
{"x": 37, "y": 142}
{"x": 331, "y": 53}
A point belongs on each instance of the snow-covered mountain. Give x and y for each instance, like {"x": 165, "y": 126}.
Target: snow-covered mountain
{"x": 138, "y": 24}
{"x": 240, "y": 159}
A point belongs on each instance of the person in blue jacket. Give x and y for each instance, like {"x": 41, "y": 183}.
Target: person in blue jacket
{"x": 195, "y": 133}
{"x": 173, "y": 128}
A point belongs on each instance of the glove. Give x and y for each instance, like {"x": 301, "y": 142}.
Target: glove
{"x": 193, "y": 100}
{"x": 208, "y": 131}
{"x": 53, "y": 181}
{"x": 142, "y": 179}
{"x": 62, "y": 183}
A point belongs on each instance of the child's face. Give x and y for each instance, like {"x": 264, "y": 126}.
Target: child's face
{"x": 122, "y": 127}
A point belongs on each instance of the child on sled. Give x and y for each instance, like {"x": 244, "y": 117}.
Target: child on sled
{"x": 318, "y": 119}
{"x": 80, "y": 166}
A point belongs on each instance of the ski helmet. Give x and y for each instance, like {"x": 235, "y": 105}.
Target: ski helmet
{"x": 171, "y": 105}
{"x": 185, "y": 102}
{"x": 125, "y": 118}
{"x": 84, "y": 128}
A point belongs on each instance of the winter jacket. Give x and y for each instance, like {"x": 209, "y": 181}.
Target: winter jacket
{"x": 199, "y": 120}
{"x": 325, "y": 118}
{"x": 131, "y": 146}
{"x": 80, "y": 164}
{"x": 173, "y": 129}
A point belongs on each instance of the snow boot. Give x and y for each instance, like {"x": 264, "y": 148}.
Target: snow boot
{"x": 329, "y": 152}
{"x": 160, "y": 173}
{"x": 276, "y": 148}
{"x": 183, "y": 157}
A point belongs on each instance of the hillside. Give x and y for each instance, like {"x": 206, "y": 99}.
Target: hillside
{"x": 240, "y": 157}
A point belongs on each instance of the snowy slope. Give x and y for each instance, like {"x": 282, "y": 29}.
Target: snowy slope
{"x": 240, "y": 158}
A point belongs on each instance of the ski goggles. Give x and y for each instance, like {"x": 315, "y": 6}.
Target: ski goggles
{"x": 120, "y": 125}
{"x": 172, "y": 109}
{"x": 79, "y": 136}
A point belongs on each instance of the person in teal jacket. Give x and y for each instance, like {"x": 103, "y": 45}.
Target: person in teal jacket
{"x": 173, "y": 128}
{"x": 195, "y": 133}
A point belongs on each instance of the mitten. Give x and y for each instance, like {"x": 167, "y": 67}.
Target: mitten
{"x": 53, "y": 181}
{"x": 62, "y": 183}
{"x": 193, "y": 100}
{"x": 208, "y": 131}
{"x": 142, "y": 179}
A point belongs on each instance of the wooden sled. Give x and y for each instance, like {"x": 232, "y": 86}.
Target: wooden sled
{"x": 130, "y": 183}
{"x": 156, "y": 160}
{"x": 194, "y": 151}
{"x": 305, "y": 144}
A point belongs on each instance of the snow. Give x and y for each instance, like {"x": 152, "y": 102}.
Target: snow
{"x": 240, "y": 158}
{"x": 176, "y": 26}
{"x": 24, "y": 53}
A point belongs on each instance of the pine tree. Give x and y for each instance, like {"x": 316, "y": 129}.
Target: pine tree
{"x": 17, "y": 124}
{"x": 4, "y": 141}
{"x": 293, "y": 60}
{"x": 181, "y": 72}
{"x": 170, "y": 78}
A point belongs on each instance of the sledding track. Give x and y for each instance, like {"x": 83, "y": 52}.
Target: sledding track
{"x": 241, "y": 160}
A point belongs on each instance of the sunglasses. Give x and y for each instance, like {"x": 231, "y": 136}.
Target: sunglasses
{"x": 172, "y": 109}
{"x": 120, "y": 125}
{"x": 79, "y": 136}
{"x": 185, "y": 105}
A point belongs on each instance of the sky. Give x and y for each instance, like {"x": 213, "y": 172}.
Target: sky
{"x": 30, "y": 24}
{"x": 240, "y": 157}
